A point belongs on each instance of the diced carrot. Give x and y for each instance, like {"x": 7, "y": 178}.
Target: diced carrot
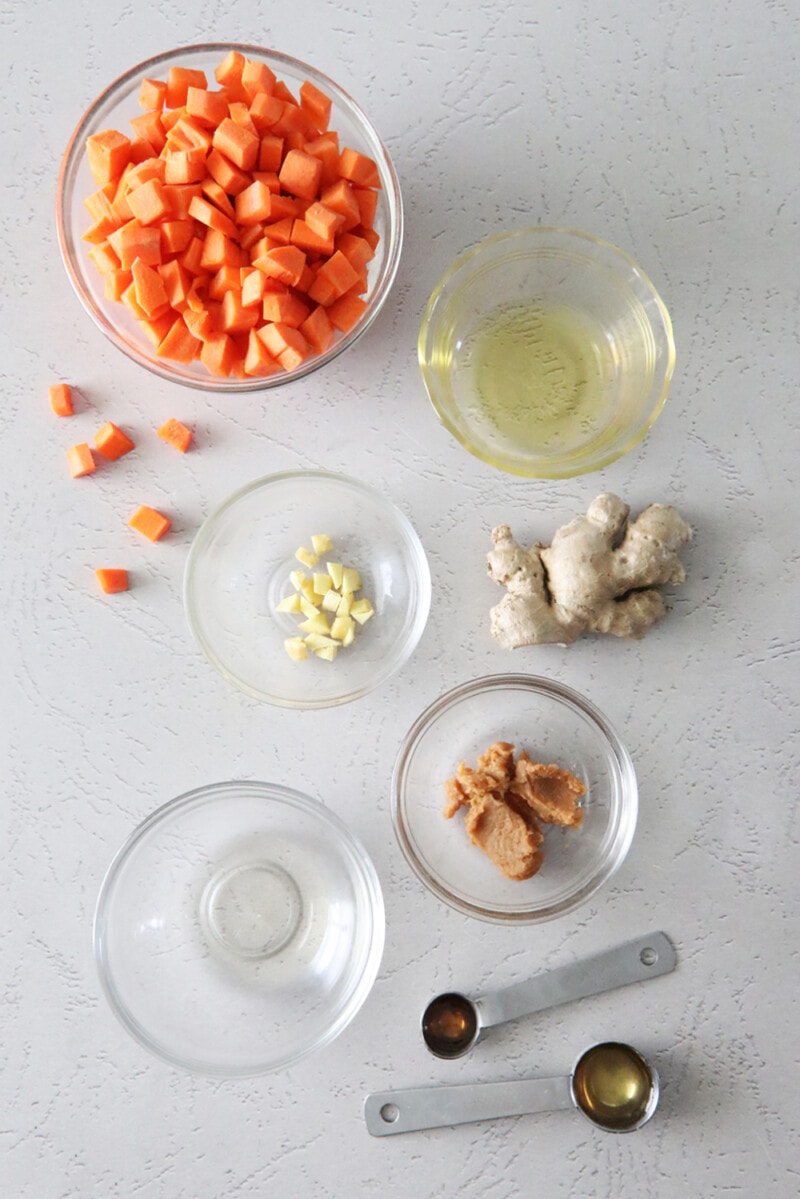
{"x": 257, "y": 77}
{"x": 253, "y": 204}
{"x": 150, "y": 128}
{"x": 270, "y": 155}
{"x": 179, "y": 344}
{"x": 151, "y": 295}
{"x": 300, "y": 174}
{"x": 80, "y": 460}
{"x": 179, "y": 80}
{"x": 284, "y": 307}
{"x": 316, "y": 104}
{"x": 175, "y": 237}
{"x": 318, "y": 330}
{"x": 149, "y": 203}
{"x": 235, "y": 317}
{"x": 186, "y": 166}
{"x": 345, "y": 312}
{"x": 134, "y": 240}
{"x": 152, "y": 94}
{"x": 151, "y": 523}
{"x": 201, "y": 210}
{"x": 307, "y": 239}
{"x": 61, "y": 399}
{"x": 176, "y": 434}
{"x": 237, "y": 144}
{"x": 228, "y": 214}
{"x": 333, "y": 279}
{"x": 258, "y": 360}
{"x": 206, "y": 106}
{"x": 229, "y": 72}
{"x": 358, "y": 168}
{"x": 218, "y": 354}
{"x": 108, "y": 153}
{"x": 223, "y": 172}
{"x": 284, "y": 263}
{"x": 112, "y": 442}
{"x": 112, "y": 580}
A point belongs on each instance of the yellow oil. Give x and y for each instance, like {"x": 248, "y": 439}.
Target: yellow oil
{"x": 539, "y": 377}
{"x": 613, "y": 1085}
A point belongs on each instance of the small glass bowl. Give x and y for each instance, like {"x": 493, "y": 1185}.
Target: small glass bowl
{"x": 556, "y": 725}
{"x": 238, "y": 929}
{"x": 114, "y": 108}
{"x": 546, "y": 352}
{"x": 238, "y": 571}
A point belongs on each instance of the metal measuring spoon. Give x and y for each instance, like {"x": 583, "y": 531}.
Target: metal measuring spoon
{"x": 612, "y": 1084}
{"x": 452, "y": 1023}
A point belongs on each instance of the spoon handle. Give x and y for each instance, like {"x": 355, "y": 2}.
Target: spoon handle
{"x": 637, "y": 960}
{"x": 389, "y": 1112}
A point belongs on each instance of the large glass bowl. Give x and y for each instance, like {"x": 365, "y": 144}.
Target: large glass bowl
{"x": 238, "y": 929}
{"x": 114, "y": 108}
{"x": 546, "y": 352}
{"x": 239, "y": 569}
{"x": 556, "y": 725}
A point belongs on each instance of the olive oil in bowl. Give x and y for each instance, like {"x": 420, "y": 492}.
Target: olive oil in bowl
{"x": 539, "y": 378}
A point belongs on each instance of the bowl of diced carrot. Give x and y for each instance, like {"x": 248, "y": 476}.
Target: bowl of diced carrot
{"x": 307, "y": 589}
{"x": 229, "y": 217}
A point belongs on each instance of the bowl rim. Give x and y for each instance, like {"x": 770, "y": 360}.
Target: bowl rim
{"x": 257, "y": 789}
{"x": 161, "y": 367}
{"x": 422, "y": 574}
{"x": 565, "y": 466}
{"x": 625, "y": 818}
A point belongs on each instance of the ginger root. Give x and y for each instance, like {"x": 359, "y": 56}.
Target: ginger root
{"x": 600, "y": 574}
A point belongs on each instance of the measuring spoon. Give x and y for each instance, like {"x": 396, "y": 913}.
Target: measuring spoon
{"x": 452, "y": 1023}
{"x": 612, "y": 1084}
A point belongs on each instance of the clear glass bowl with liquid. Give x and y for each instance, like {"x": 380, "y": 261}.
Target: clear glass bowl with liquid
{"x": 238, "y": 929}
{"x": 546, "y": 352}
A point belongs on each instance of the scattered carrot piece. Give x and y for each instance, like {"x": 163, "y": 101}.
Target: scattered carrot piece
{"x": 177, "y": 434}
{"x": 61, "y": 399}
{"x": 80, "y": 460}
{"x": 151, "y": 523}
{"x": 112, "y": 580}
{"x": 112, "y": 442}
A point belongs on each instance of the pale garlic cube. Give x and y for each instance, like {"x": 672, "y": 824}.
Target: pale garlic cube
{"x": 297, "y": 578}
{"x": 317, "y": 641}
{"x": 322, "y": 583}
{"x": 331, "y": 601}
{"x": 341, "y": 626}
{"x": 290, "y": 603}
{"x": 351, "y": 580}
{"x": 315, "y": 624}
{"x": 344, "y": 605}
{"x": 306, "y": 556}
{"x": 327, "y": 653}
{"x": 307, "y": 606}
{"x": 321, "y": 543}
{"x": 296, "y": 648}
{"x": 335, "y": 569}
{"x": 362, "y": 610}
{"x": 350, "y": 635}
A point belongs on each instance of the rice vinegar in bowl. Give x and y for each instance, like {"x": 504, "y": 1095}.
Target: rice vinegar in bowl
{"x": 547, "y": 353}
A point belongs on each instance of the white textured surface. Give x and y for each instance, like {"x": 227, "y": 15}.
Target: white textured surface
{"x": 669, "y": 129}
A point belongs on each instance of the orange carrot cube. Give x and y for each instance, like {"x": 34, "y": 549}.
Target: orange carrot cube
{"x": 176, "y": 434}
{"x": 112, "y": 442}
{"x": 149, "y": 202}
{"x": 151, "y": 523}
{"x": 112, "y": 580}
{"x": 152, "y": 94}
{"x": 179, "y": 80}
{"x": 300, "y": 174}
{"x": 237, "y": 144}
{"x": 316, "y": 104}
{"x": 108, "y": 153}
{"x": 61, "y": 399}
{"x": 80, "y": 460}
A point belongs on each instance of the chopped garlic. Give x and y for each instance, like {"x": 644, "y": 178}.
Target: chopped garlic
{"x": 334, "y": 569}
{"x": 341, "y": 626}
{"x": 351, "y": 580}
{"x": 361, "y": 611}
{"x": 305, "y": 556}
{"x": 291, "y": 603}
{"x": 321, "y": 543}
{"x": 296, "y": 648}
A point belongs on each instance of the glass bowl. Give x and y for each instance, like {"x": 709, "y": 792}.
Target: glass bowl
{"x": 239, "y": 569}
{"x": 546, "y": 352}
{"x": 556, "y": 725}
{"x": 238, "y": 929}
{"x": 114, "y": 109}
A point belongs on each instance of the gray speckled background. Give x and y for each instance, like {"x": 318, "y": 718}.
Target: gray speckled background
{"x": 668, "y": 129}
